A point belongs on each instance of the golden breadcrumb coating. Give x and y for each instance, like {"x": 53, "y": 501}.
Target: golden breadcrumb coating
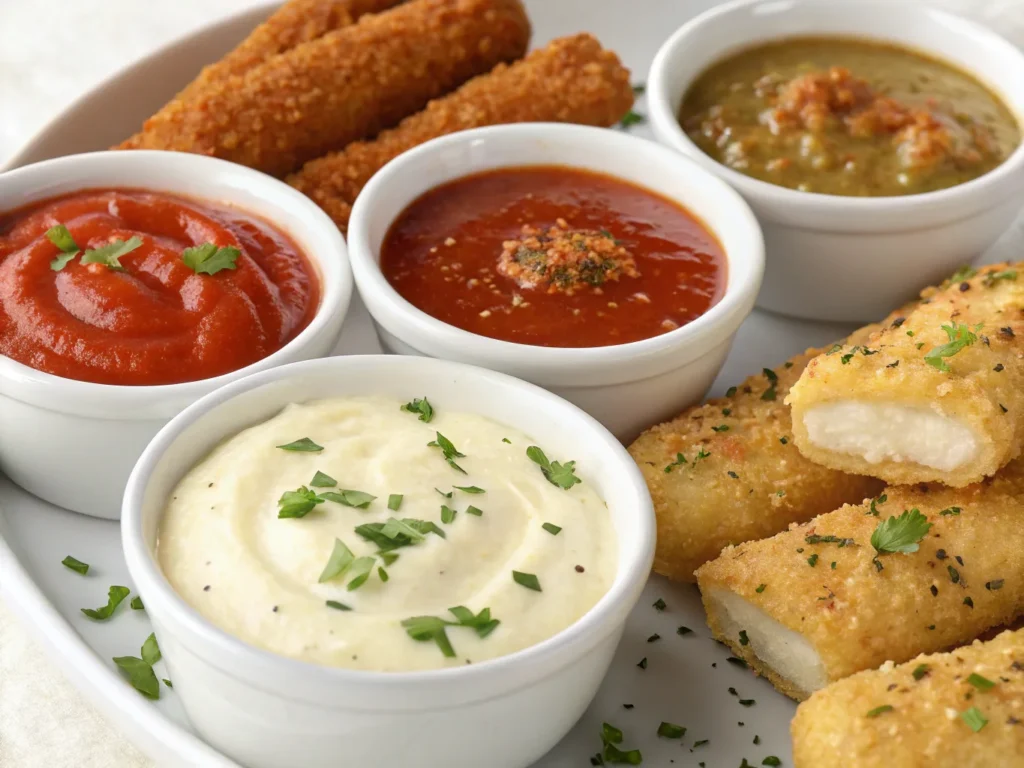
{"x": 926, "y": 725}
{"x": 295, "y": 22}
{"x": 966, "y": 577}
{"x": 345, "y": 85}
{"x": 753, "y": 483}
{"x": 571, "y": 80}
{"x": 982, "y": 389}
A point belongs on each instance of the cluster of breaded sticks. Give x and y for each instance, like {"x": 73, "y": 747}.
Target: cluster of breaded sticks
{"x": 326, "y": 92}
{"x": 857, "y": 573}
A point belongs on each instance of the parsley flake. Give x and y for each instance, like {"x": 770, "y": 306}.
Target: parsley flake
{"x": 396, "y": 533}
{"x": 109, "y": 255}
{"x": 671, "y": 731}
{"x": 632, "y": 118}
{"x": 659, "y": 605}
{"x": 348, "y": 498}
{"x": 140, "y": 675}
{"x": 421, "y": 407}
{"x": 900, "y": 534}
{"x": 209, "y": 259}
{"x": 527, "y": 580}
{"x": 136, "y": 604}
{"x": 960, "y": 337}
{"x": 75, "y": 565}
{"x": 880, "y": 710}
{"x": 556, "y": 473}
{"x": 981, "y": 683}
{"x": 611, "y": 737}
{"x": 683, "y": 630}
{"x": 475, "y": 511}
{"x": 551, "y": 528}
{"x": 760, "y": 588}
{"x": 151, "y": 650}
{"x": 680, "y": 461}
{"x": 60, "y": 237}
{"x": 114, "y": 597}
{"x": 337, "y": 606}
{"x": 448, "y": 450}
{"x": 303, "y": 445}
{"x": 297, "y": 503}
{"x": 341, "y": 558}
{"x": 920, "y": 671}
{"x": 320, "y": 480}
{"x": 395, "y": 501}
{"x": 447, "y": 514}
{"x": 974, "y": 719}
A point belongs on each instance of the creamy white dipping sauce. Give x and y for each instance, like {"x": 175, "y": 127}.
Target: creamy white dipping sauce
{"x": 224, "y": 549}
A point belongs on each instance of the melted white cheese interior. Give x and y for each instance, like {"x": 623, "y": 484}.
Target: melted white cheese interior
{"x": 890, "y": 432}
{"x": 226, "y": 552}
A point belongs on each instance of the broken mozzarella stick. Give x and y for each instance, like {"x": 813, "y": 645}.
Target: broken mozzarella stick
{"x": 937, "y": 395}
{"x": 963, "y": 709}
{"x": 915, "y": 570}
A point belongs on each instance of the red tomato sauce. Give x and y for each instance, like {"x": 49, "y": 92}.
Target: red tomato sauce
{"x": 443, "y": 250}
{"x": 155, "y": 321}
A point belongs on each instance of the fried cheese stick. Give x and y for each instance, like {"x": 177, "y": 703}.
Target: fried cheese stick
{"x": 295, "y": 22}
{"x": 727, "y": 471}
{"x": 346, "y": 85}
{"x": 937, "y": 397}
{"x": 571, "y": 80}
{"x": 819, "y": 602}
{"x": 963, "y": 709}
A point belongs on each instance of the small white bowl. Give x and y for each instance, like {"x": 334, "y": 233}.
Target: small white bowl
{"x": 268, "y": 711}
{"x": 627, "y": 387}
{"x": 73, "y": 443}
{"x": 847, "y": 258}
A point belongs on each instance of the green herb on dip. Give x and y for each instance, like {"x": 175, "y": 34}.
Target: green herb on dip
{"x": 208, "y": 259}
{"x": 109, "y": 255}
{"x": 448, "y": 450}
{"x": 527, "y": 580}
{"x": 556, "y": 473}
{"x": 303, "y": 445}
{"x": 421, "y": 407}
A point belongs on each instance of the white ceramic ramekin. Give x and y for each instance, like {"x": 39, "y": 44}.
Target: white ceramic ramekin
{"x": 73, "y": 443}
{"x": 268, "y": 711}
{"x": 844, "y": 258}
{"x": 627, "y": 387}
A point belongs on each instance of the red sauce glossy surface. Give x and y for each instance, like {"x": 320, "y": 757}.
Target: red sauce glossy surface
{"x": 157, "y": 321}
{"x": 441, "y": 254}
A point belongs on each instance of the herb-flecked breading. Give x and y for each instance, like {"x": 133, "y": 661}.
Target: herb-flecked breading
{"x": 936, "y": 717}
{"x": 879, "y": 605}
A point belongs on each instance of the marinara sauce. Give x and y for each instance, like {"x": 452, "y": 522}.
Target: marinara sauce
{"x": 553, "y": 256}
{"x": 154, "y": 320}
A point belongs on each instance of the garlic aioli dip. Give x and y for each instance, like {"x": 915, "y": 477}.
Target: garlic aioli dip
{"x": 226, "y": 551}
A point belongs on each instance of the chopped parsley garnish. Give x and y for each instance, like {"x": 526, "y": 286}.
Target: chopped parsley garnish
{"x": 900, "y": 534}
{"x": 639, "y": 89}
{"x": 992, "y": 278}
{"x": 954, "y": 574}
{"x": 448, "y": 495}
{"x": 659, "y": 605}
{"x": 150, "y": 650}
{"x": 475, "y": 511}
{"x": 551, "y": 528}
{"x": 421, "y": 407}
{"x": 348, "y": 498}
{"x": 879, "y": 710}
{"x": 874, "y": 504}
{"x": 960, "y": 337}
{"x": 506, "y": 440}
{"x": 382, "y": 574}
{"x": 830, "y": 539}
{"x": 60, "y": 237}
{"x": 611, "y": 737}
{"x": 140, "y": 675}
{"x": 556, "y": 473}
{"x": 337, "y": 606}
{"x": 654, "y": 638}
{"x": 114, "y": 597}
{"x": 447, "y": 514}
{"x": 136, "y": 604}
{"x": 683, "y": 630}
{"x": 320, "y": 480}
{"x": 744, "y": 640}
{"x": 771, "y": 760}
{"x": 394, "y": 501}
{"x": 747, "y": 702}
{"x": 965, "y": 272}
{"x": 396, "y": 533}
{"x": 701, "y": 455}
{"x": 680, "y": 461}
{"x": 297, "y": 503}
{"x": 341, "y": 558}
{"x": 730, "y": 391}
{"x": 388, "y": 557}
{"x": 760, "y": 588}
{"x": 920, "y": 671}
{"x": 700, "y": 743}
{"x": 360, "y": 571}
{"x": 427, "y": 628}
{"x": 671, "y": 731}
{"x": 993, "y": 585}
{"x": 75, "y": 565}
{"x": 721, "y": 428}
{"x": 737, "y": 662}
{"x": 527, "y": 580}
{"x": 642, "y": 663}
{"x": 981, "y": 683}
{"x": 833, "y": 349}
{"x": 448, "y": 450}
{"x": 304, "y": 445}
{"x": 110, "y": 254}
{"x": 468, "y": 489}
{"x": 950, "y": 511}
{"x": 209, "y": 259}
{"x": 813, "y": 560}
{"x": 168, "y": 683}
{"x": 632, "y": 118}
{"x": 968, "y": 602}
{"x": 974, "y": 719}
{"x": 773, "y": 379}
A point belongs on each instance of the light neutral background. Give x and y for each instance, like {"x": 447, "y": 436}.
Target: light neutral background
{"x": 51, "y": 51}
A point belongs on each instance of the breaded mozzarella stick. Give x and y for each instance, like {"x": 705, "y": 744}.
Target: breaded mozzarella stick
{"x": 963, "y": 709}
{"x": 294, "y": 23}
{"x": 727, "y": 471}
{"x": 346, "y": 85}
{"x": 937, "y": 397}
{"x": 820, "y": 602}
{"x": 570, "y": 80}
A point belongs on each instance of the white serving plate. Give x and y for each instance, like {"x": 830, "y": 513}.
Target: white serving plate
{"x": 687, "y": 678}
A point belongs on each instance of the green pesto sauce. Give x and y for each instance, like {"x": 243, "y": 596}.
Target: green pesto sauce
{"x": 725, "y": 112}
